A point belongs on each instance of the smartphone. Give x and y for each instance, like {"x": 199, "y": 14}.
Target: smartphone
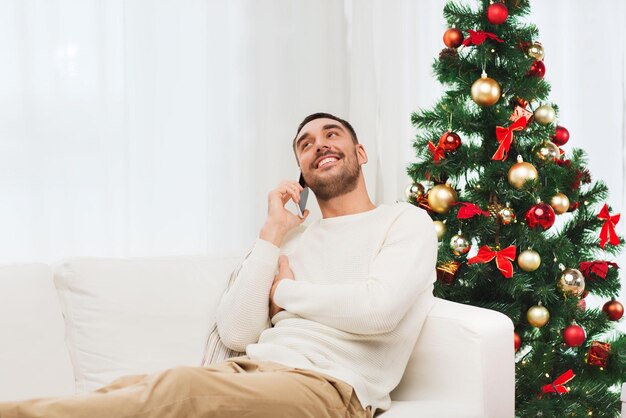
{"x": 303, "y": 196}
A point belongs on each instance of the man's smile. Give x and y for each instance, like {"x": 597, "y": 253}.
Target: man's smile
{"x": 326, "y": 161}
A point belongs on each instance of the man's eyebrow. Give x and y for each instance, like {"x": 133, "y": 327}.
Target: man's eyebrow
{"x": 324, "y": 128}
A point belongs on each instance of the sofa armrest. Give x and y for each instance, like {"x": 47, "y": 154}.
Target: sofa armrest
{"x": 464, "y": 354}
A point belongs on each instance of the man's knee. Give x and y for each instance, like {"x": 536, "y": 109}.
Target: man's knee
{"x": 182, "y": 379}
{"x": 179, "y": 374}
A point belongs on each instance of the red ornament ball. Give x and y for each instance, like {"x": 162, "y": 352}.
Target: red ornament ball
{"x": 540, "y": 215}
{"x": 572, "y": 206}
{"x": 574, "y": 336}
{"x": 517, "y": 341}
{"x": 613, "y": 310}
{"x": 561, "y": 136}
{"x": 450, "y": 141}
{"x": 497, "y": 13}
{"x": 453, "y": 38}
{"x": 538, "y": 69}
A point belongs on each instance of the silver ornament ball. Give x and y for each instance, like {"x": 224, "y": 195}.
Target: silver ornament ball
{"x": 460, "y": 244}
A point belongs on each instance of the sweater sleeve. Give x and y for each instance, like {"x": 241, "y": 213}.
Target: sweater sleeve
{"x": 243, "y": 312}
{"x": 400, "y": 272}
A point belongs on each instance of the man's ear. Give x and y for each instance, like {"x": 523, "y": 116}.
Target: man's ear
{"x": 361, "y": 154}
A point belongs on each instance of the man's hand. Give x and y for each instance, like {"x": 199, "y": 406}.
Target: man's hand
{"x": 279, "y": 220}
{"x": 284, "y": 272}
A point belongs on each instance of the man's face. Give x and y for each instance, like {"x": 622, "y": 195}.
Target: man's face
{"x": 330, "y": 161}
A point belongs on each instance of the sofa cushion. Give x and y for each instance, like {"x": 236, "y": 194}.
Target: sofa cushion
{"x": 33, "y": 358}
{"x": 134, "y": 316}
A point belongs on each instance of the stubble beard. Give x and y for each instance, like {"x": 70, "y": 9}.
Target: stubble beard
{"x": 339, "y": 183}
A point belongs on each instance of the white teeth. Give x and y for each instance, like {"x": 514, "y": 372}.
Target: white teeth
{"x": 326, "y": 160}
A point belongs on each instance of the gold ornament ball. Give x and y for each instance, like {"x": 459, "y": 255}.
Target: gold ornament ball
{"x": 485, "y": 91}
{"x": 536, "y": 51}
{"x": 538, "y": 316}
{"x": 546, "y": 152}
{"x": 572, "y": 282}
{"x": 545, "y": 115}
{"x": 413, "y": 191}
{"x": 440, "y": 229}
{"x": 460, "y": 244}
{"x": 529, "y": 260}
{"x": 521, "y": 172}
{"x": 441, "y": 197}
{"x": 506, "y": 216}
{"x": 560, "y": 203}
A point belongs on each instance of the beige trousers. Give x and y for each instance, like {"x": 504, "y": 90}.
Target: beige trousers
{"x": 238, "y": 387}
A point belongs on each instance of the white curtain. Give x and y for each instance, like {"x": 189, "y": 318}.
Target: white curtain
{"x": 131, "y": 128}
{"x": 140, "y": 128}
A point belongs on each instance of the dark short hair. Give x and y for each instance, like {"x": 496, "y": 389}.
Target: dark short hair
{"x": 321, "y": 115}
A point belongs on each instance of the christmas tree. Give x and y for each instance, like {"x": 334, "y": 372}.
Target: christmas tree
{"x": 523, "y": 229}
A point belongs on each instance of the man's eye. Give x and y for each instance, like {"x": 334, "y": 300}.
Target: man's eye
{"x": 331, "y": 133}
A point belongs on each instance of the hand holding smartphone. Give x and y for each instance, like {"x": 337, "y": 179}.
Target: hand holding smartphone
{"x": 303, "y": 196}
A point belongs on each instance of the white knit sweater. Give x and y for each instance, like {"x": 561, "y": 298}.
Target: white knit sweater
{"x": 362, "y": 290}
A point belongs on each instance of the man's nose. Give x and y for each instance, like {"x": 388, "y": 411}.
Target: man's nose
{"x": 321, "y": 146}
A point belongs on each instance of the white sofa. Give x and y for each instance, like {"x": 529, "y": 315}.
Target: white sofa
{"x": 74, "y": 326}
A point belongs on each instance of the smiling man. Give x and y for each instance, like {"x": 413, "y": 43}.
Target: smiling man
{"x": 327, "y": 314}
{"x": 352, "y": 289}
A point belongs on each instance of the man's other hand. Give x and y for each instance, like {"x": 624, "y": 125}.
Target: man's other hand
{"x": 279, "y": 220}
{"x": 284, "y": 272}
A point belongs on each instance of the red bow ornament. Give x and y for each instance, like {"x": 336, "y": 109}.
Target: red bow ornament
{"x": 437, "y": 152}
{"x": 505, "y": 138}
{"x": 558, "y": 386}
{"x": 598, "y": 268}
{"x": 477, "y": 37}
{"x": 608, "y": 229}
{"x": 469, "y": 210}
{"x": 504, "y": 259}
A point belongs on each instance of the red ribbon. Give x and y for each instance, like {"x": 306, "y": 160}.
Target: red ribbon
{"x": 608, "y": 229}
{"x": 503, "y": 258}
{"x": 469, "y": 210}
{"x": 599, "y": 268}
{"x": 558, "y": 385}
{"x": 479, "y": 36}
{"x": 505, "y": 137}
{"x": 437, "y": 152}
